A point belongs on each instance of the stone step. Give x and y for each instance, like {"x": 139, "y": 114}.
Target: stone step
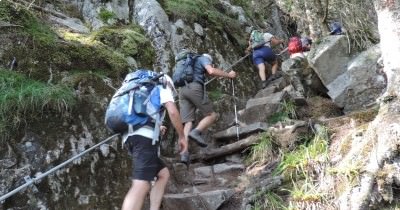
{"x": 210, "y": 200}
{"x": 270, "y": 99}
{"x": 207, "y": 171}
{"x": 243, "y": 131}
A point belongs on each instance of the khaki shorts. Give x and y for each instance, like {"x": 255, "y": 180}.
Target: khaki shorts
{"x": 190, "y": 98}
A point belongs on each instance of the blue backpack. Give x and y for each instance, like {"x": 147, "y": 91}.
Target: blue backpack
{"x": 136, "y": 103}
{"x": 183, "y": 72}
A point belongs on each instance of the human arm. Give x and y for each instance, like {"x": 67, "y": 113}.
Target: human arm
{"x": 275, "y": 41}
{"x": 219, "y": 72}
{"x": 248, "y": 49}
{"x": 175, "y": 118}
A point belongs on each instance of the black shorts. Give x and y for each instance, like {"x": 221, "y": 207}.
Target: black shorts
{"x": 146, "y": 163}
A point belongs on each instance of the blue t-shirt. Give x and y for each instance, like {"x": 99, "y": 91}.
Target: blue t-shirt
{"x": 199, "y": 68}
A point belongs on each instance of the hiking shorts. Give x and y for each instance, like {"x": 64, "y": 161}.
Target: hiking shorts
{"x": 146, "y": 163}
{"x": 190, "y": 98}
{"x": 263, "y": 54}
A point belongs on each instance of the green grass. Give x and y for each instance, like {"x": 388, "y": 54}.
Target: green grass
{"x": 263, "y": 151}
{"x": 299, "y": 163}
{"x": 22, "y": 98}
{"x": 305, "y": 194}
{"x": 5, "y": 13}
{"x": 288, "y": 111}
{"x": 272, "y": 201}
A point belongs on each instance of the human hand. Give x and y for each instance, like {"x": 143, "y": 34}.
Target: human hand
{"x": 232, "y": 74}
{"x": 163, "y": 130}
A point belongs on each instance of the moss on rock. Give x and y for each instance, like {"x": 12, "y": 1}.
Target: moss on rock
{"x": 130, "y": 41}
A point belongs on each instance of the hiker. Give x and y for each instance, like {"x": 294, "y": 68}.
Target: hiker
{"x": 306, "y": 43}
{"x": 295, "y": 47}
{"x": 193, "y": 96}
{"x": 261, "y": 44}
{"x": 148, "y": 166}
{"x": 336, "y": 28}
{"x": 296, "y": 68}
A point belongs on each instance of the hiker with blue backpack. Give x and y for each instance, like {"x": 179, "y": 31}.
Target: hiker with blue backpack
{"x": 190, "y": 75}
{"x": 261, "y": 45}
{"x": 137, "y": 110}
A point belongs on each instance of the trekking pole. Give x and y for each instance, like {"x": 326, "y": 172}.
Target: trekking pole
{"x": 283, "y": 51}
{"x": 30, "y": 181}
{"x": 234, "y": 64}
{"x": 234, "y": 107}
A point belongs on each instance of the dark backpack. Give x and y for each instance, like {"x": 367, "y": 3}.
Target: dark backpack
{"x": 136, "y": 103}
{"x": 295, "y": 45}
{"x": 183, "y": 72}
{"x": 257, "y": 39}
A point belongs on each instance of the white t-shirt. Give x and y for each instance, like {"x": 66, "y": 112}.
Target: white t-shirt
{"x": 166, "y": 95}
{"x": 267, "y": 39}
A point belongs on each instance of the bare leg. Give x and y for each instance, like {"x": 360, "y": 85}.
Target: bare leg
{"x": 158, "y": 189}
{"x": 261, "y": 71}
{"x": 274, "y": 68}
{"x": 136, "y": 194}
{"x": 187, "y": 128}
{"x": 206, "y": 122}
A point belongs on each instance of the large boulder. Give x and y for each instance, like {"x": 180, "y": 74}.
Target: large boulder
{"x": 329, "y": 58}
{"x": 360, "y": 85}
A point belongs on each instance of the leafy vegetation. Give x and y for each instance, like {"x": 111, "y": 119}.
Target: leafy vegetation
{"x": 207, "y": 13}
{"x": 288, "y": 111}
{"x": 215, "y": 94}
{"x": 106, "y": 15}
{"x": 21, "y": 97}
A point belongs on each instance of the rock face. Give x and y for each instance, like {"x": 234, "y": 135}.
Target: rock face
{"x": 352, "y": 83}
{"x": 329, "y": 58}
{"x": 360, "y": 84}
{"x": 152, "y": 18}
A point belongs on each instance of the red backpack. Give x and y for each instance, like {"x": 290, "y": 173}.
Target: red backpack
{"x": 295, "y": 45}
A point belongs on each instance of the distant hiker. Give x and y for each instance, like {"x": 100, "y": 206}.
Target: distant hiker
{"x": 261, "y": 44}
{"x": 296, "y": 68}
{"x": 192, "y": 96}
{"x": 295, "y": 47}
{"x": 140, "y": 104}
{"x": 336, "y": 28}
{"x": 306, "y": 43}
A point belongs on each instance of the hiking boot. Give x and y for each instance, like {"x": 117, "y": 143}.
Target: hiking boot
{"x": 275, "y": 76}
{"x": 195, "y": 135}
{"x": 185, "y": 158}
{"x": 299, "y": 99}
{"x": 264, "y": 84}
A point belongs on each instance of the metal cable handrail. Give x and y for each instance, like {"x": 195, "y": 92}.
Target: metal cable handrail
{"x": 30, "y": 181}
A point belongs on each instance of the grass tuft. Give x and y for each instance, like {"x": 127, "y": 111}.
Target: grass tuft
{"x": 22, "y": 98}
{"x": 300, "y": 163}
{"x": 263, "y": 151}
